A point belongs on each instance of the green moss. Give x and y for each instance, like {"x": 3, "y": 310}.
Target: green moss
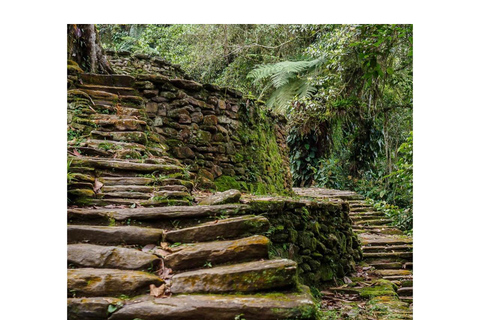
{"x": 381, "y": 288}
{"x": 225, "y": 183}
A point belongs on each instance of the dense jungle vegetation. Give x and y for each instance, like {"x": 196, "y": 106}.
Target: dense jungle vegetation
{"x": 345, "y": 89}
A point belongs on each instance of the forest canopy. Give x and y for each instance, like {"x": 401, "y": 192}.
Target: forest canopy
{"x": 345, "y": 89}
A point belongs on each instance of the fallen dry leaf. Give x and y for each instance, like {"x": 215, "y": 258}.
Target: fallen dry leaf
{"x": 157, "y": 292}
{"x": 76, "y": 153}
{"x": 148, "y": 247}
{"x": 162, "y": 252}
{"x": 97, "y": 186}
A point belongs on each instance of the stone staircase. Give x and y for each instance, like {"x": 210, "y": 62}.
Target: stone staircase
{"x": 138, "y": 248}
{"x": 387, "y": 257}
{"x": 120, "y": 162}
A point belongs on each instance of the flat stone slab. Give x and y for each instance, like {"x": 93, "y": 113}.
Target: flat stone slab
{"x": 218, "y": 252}
{"x": 127, "y": 136}
{"x": 117, "y": 181}
{"x": 158, "y": 213}
{"x": 113, "y": 235}
{"x": 223, "y": 229}
{"x": 124, "y": 165}
{"x": 91, "y": 255}
{"x": 89, "y": 308}
{"x": 398, "y": 272}
{"x": 89, "y": 282}
{"x": 242, "y": 277}
{"x": 222, "y": 307}
{"x": 327, "y": 193}
{"x": 229, "y": 196}
{"x": 108, "y": 80}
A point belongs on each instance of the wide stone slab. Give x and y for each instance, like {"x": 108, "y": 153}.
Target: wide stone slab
{"x": 113, "y": 235}
{"x": 89, "y": 282}
{"x": 91, "y": 255}
{"x": 158, "y": 213}
{"x": 124, "y": 165}
{"x": 229, "y": 196}
{"x": 242, "y": 277}
{"x": 218, "y": 252}
{"x": 89, "y": 308}
{"x": 108, "y": 80}
{"x": 222, "y": 307}
{"x": 220, "y": 229}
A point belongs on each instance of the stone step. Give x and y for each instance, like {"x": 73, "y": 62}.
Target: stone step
{"x": 127, "y": 188}
{"x": 90, "y": 282}
{"x": 125, "y": 195}
{"x": 394, "y": 248}
{"x": 393, "y": 256}
{"x": 111, "y": 145}
{"x": 124, "y": 136}
{"x": 152, "y": 202}
{"x": 108, "y": 80}
{"x": 356, "y": 215}
{"x": 85, "y": 255}
{"x": 193, "y": 256}
{"x": 177, "y": 188}
{"x": 220, "y": 229}
{"x": 277, "y": 306}
{"x": 124, "y": 165}
{"x": 113, "y": 235}
{"x": 361, "y": 209}
{"x": 172, "y": 212}
{"x": 379, "y": 230}
{"x": 90, "y": 308}
{"x": 243, "y": 277}
{"x": 406, "y": 299}
{"x": 172, "y": 181}
{"x": 387, "y": 265}
{"x": 128, "y": 181}
{"x": 398, "y": 277}
{"x": 99, "y": 116}
{"x": 356, "y": 218}
{"x": 120, "y": 124}
{"x": 394, "y": 272}
{"x": 111, "y": 89}
{"x": 383, "y": 241}
{"x": 405, "y": 291}
{"x": 373, "y": 222}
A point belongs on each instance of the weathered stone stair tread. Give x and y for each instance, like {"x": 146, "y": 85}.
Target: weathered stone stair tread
{"x": 127, "y": 145}
{"x": 108, "y": 80}
{"x": 327, "y": 193}
{"x": 385, "y": 241}
{"x": 95, "y": 256}
{"x": 387, "y": 248}
{"x": 127, "y": 188}
{"x": 395, "y": 272}
{"x": 160, "y": 213}
{"x": 125, "y": 195}
{"x": 91, "y": 282}
{"x": 113, "y": 235}
{"x": 223, "y": 229}
{"x": 120, "y": 124}
{"x": 127, "y": 136}
{"x": 243, "y": 277}
{"x": 398, "y": 277}
{"x": 129, "y": 181}
{"x": 95, "y": 308}
{"x": 406, "y": 299}
{"x": 193, "y": 256}
{"x": 111, "y": 89}
{"x": 405, "y": 255}
{"x": 152, "y": 202}
{"x": 387, "y": 265}
{"x": 405, "y": 291}
{"x": 373, "y": 222}
{"x": 222, "y": 307}
{"x": 125, "y": 165}
{"x": 356, "y": 218}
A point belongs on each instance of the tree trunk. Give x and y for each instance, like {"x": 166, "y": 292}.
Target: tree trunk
{"x": 84, "y": 48}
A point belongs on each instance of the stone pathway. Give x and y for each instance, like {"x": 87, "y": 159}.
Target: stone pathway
{"x": 383, "y": 284}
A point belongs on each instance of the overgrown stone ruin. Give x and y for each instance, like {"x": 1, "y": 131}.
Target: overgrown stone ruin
{"x": 145, "y": 146}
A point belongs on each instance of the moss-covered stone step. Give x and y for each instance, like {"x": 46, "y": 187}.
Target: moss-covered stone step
{"x": 327, "y": 193}
{"x": 128, "y": 181}
{"x": 90, "y": 308}
{"x": 366, "y": 216}
{"x": 107, "y": 80}
{"x": 172, "y": 212}
{"x": 172, "y": 181}
{"x": 152, "y": 202}
{"x": 376, "y": 240}
{"x": 387, "y": 265}
{"x": 405, "y": 291}
{"x": 177, "y": 188}
{"x": 220, "y": 229}
{"x": 373, "y": 222}
{"x": 111, "y": 89}
{"x": 394, "y": 272}
{"x": 90, "y": 282}
{"x": 395, "y": 256}
{"x": 120, "y": 124}
{"x": 127, "y": 188}
{"x": 113, "y": 235}
{"x": 126, "y": 136}
{"x": 407, "y": 299}
{"x": 360, "y": 208}
{"x": 393, "y": 248}
{"x": 242, "y": 277}
{"x": 125, "y": 195}
{"x": 124, "y": 165}
{"x": 398, "y": 277}
{"x": 108, "y": 97}
{"x": 383, "y": 230}
{"x": 198, "y": 255}
{"x": 111, "y": 145}
{"x": 85, "y": 255}
{"x": 270, "y": 306}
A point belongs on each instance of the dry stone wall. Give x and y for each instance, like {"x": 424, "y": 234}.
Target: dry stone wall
{"x": 227, "y": 140}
